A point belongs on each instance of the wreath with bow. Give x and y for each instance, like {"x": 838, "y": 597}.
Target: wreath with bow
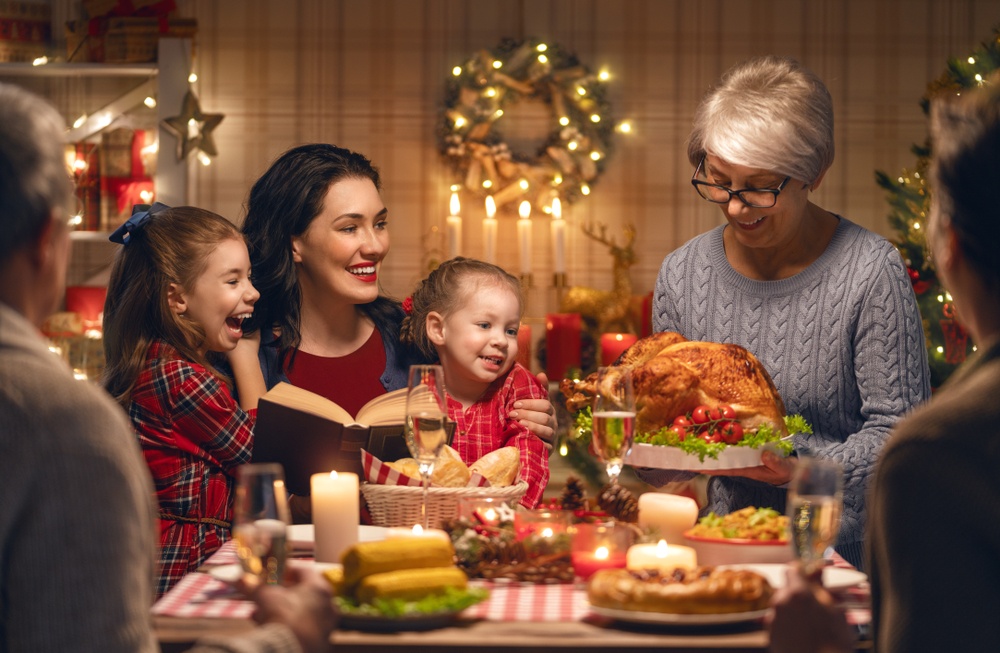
{"x": 572, "y": 156}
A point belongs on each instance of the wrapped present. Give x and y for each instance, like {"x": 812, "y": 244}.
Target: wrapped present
{"x": 126, "y": 174}
{"x": 25, "y": 30}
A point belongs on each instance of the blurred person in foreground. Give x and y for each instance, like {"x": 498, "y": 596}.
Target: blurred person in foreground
{"x": 825, "y": 305}
{"x": 934, "y": 522}
{"x": 77, "y": 547}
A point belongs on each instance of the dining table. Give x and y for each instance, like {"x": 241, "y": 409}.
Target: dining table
{"x": 516, "y": 618}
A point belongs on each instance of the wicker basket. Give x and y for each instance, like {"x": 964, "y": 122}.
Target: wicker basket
{"x": 399, "y": 505}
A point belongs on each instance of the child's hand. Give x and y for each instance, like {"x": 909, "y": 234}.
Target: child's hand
{"x": 537, "y": 415}
{"x": 246, "y": 349}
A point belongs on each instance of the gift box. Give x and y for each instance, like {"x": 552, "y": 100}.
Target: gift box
{"x": 123, "y": 39}
{"x": 126, "y": 174}
{"x": 24, "y": 30}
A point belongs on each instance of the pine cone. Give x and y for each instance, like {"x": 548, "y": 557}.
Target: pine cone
{"x": 619, "y": 502}
{"x": 574, "y": 495}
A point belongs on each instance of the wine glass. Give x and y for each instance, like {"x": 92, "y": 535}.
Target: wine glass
{"x": 426, "y": 412}
{"x": 613, "y": 418}
{"x": 815, "y": 499}
{"x": 260, "y": 522}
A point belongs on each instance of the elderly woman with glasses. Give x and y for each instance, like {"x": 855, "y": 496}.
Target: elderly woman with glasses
{"x": 826, "y": 305}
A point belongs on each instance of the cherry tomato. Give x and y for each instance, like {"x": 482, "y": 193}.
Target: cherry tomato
{"x": 682, "y": 423}
{"x": 732, "y": 432}
{"x": 715, "y": 414}
{"x": 711, "y": 435}
{"x": 700, "y": 415}
{"x": 727, "y": 411}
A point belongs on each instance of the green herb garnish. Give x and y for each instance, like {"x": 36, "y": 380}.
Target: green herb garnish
{"x": 452, "y": 599}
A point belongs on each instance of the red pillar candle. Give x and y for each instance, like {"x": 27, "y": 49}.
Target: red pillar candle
{"x": 562, "y": 344}
{"x": 524, "y": 345}
{"x": 613, "y": 344}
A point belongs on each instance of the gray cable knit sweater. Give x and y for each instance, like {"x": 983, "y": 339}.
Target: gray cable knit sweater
{"x": 843, "y": 341}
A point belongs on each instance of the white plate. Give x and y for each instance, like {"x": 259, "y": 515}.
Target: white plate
{"x": 665, "y": 457}
{"x": 834, "y": 578}
{"x": 303, "y": 536}
{"x": 231, "y": 573}
{"x": 633, "y": 616}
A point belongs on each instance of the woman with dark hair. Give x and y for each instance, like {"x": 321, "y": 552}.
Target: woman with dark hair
{"x": 318, "y": 230}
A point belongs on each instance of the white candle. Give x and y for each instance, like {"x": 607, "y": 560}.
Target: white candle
{"x": 418, "y": 531}
{"x": 454, "y": 227}
{"x": 490, "y": 231}
{"x": 670, "y": 514}
{"x": 661, "y": 556}
{"x": 335, "y": 513}
{"x": 524, "y": 236}
{"x": 558, "y": 238}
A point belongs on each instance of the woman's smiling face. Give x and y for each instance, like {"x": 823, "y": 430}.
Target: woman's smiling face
{"x": 340, "y": 253}
{"x": 755, "y": 227}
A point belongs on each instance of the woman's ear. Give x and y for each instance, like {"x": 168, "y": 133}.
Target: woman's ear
{"x": 296, "y": 246}
{"x": 175, "y": 299}
{"x": 435, "y": 328}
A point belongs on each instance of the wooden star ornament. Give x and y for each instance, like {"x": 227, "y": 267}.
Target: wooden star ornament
{"x": 192, "y": 128}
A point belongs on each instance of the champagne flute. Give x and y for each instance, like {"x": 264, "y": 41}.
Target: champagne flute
{"x": 815, "y": 499}
{"x": 426, "y": 412}
{"x": 260, "y": 522}
{"x": 613, "y": 418}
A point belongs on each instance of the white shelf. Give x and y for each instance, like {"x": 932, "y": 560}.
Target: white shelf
{"x": 78, "y": 70}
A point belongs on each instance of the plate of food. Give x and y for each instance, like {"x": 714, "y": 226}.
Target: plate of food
{"x": 700, "y": 596}
{"x": 700, "y": 405}
{"x": 401, "y": 584}
{"x": 747, "y": 535}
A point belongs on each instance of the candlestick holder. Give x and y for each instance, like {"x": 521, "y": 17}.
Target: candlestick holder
{"x": 559, "y": 280}
{"x": 527, "y": 281}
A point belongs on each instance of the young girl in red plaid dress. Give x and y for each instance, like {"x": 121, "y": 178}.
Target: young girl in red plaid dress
{"x": 179, "y": 292}
{"x": 466, "y": 314}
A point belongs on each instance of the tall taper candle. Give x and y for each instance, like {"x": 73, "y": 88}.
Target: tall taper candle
{"x": 335, "y": 513}
{"x": 524, "y": 236}
{"x": 490, "y": 231}
{"x": 558, "y": 238}
{"x": 454, "y": 224}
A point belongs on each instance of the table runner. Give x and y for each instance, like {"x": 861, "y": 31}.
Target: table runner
{"x": 199, "y": 595}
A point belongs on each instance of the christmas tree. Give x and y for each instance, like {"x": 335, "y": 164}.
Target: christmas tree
{"x": 909, "y": 201}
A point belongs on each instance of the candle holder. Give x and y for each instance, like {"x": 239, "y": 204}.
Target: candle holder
{"x": 542, "y": 531}
{"x": 559, "y": 280}
{"x": 489, "y": 512}
{"x": 597, "y": 546}
{"x": 527, "y": 281}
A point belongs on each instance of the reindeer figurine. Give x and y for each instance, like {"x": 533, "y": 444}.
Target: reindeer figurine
{"x": 609, "y": 309}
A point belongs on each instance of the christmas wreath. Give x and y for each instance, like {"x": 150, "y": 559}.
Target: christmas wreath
{"x": 490, "y": 83}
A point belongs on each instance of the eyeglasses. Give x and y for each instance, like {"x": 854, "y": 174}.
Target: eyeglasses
{"x": 757, "y": 198}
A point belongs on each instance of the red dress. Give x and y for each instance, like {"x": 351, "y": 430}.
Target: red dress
{"x": 193, "y": 436}
{"x": 486, "y": 426}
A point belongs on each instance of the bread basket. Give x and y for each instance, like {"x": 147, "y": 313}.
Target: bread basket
{"x": 399, "y": 505}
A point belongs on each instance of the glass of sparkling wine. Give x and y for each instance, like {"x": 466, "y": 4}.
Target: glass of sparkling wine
{"x": 426, "y": 413}
{"x": 613, "y": 417}
{"x": 815, "y": 499}
{"x": 260, "y": 521}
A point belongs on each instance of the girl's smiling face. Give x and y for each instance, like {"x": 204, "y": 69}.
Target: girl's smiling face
{"x": 477, "y": 343}
{"x": 221, "y": 297}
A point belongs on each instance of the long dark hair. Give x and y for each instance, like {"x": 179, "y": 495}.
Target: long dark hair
{"x": 281, "y": 205}
{"x": 172, "y": 247}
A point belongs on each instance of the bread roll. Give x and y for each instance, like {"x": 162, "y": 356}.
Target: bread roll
{"x": 447, "y": 472}
{"x": 500, "y": 467}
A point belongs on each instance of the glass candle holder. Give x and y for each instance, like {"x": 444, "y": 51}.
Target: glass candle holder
{"x": 485, "y": 511}
{"x": 599, "y": 546}
{"x": 542, "y": 531}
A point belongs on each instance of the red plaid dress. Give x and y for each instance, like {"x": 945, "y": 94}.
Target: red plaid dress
{"x": 486, "y": 426}
{"x": 193, "y": 436}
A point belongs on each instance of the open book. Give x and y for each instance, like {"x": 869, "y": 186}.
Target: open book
{"x": 309, "y": 434}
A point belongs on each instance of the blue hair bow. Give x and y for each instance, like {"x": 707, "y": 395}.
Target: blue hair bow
{"x": 141, "y": 213}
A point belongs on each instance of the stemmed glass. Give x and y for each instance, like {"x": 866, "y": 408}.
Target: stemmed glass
{"x": 426, "y": 413}
{"x": 815, "y": 499}
{"x": 613, "y": 418}
{"x": 260, "y": 521}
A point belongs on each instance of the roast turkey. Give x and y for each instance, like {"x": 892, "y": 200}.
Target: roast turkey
{"x": 672, "y": 375}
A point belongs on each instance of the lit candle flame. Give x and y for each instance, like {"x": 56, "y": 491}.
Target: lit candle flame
{"x": 661, "y": 549}
{"x": 418, "y": 529}
{"x": 491, "y": 206}
{"x": 524, "y": 210}
{"x": 454, "y": 205}
{"x": 602, "y": 553}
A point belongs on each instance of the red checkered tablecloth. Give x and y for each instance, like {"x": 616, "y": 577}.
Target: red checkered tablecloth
{"x": 200, "y": 595}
